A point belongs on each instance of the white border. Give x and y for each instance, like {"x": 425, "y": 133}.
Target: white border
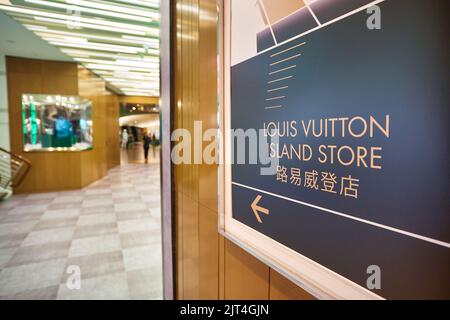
{"x": 311, "y": 276}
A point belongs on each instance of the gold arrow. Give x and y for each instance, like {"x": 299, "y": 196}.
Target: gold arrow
{"x": 257, "y": 209}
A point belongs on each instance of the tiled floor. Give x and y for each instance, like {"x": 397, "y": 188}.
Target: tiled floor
{"x": 110, "y": 230}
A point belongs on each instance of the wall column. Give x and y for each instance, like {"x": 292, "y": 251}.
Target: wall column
{"x": 4, "y": 121}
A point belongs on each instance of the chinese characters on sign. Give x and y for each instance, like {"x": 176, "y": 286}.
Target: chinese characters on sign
{"x": 346, "y": 186}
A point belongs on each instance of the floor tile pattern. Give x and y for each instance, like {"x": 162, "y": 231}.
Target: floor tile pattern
{"x": 111, "y": 230}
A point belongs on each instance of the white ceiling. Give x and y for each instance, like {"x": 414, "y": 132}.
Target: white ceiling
{"x": 149, "y": 121}
{"x": 116, "y": 39}
{"x": 17, "y": 41}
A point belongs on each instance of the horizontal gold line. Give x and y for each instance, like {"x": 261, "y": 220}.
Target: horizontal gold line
{"x": 273, "y": 107}
{"x": 276, "y": 98}
{"x": 281, "y": 70}
{"x": 288, "y": 49}
{"x": 277, "y": 89}
{"x": 281, "y": 79}
{"x": 287, "y": 59}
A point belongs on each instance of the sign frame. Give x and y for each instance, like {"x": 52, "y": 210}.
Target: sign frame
{"x": 314, "y": 278}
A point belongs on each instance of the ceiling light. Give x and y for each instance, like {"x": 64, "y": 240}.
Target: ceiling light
{"x": 45, "y": 31}
{"x": 75, "y": 19}
{"x": 125, "y": 79}
{"x": 117, "y": 56}
{"x": 146, "y": 65}
{"x": 115, "y": 8}
{"x": 112, "y": 67}
{"x": 148, "y": 3}
{"x": 106, "y": 46}
{"x": 91, "y": 46}
{"x": 106, "y": 13}
{"x": 76, "y": 24}
{"x": 151, "y": 41}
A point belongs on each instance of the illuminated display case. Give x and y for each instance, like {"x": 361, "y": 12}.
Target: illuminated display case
{"x": 56, "y": 123}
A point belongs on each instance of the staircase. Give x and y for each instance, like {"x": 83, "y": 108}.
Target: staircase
{"x": 13, "y": 170}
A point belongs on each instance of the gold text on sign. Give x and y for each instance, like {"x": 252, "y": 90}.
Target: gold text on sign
{"x": 256, "y": 209}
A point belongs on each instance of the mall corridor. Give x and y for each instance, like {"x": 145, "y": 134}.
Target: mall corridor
{"x": 111, "y": 230}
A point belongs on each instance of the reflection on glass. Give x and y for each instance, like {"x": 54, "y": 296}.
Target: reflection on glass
{"x": 56, "y": 123}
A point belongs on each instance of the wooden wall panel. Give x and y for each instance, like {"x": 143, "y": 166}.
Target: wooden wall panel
{"x": 197, "y": 240}
{"x": 222, "y": 242}
{"x": 190, "y": 248}
{"x": 59, "y": 77}
{"x": 189, "y": 44}
{"x": 134, "y": 99}
{"x": 179, "y": 252}
{"x": 113, "y": 129}
{"x": 283, "y": 289}
{"x": 88, "y": 173}
{"x": 208, "y": 254}
{"x": 106, "y": 113}
{"x": 208, "y": 184}
{"x": 207, "y": 265}
{"x": 246, "y": 278}
{"x": 53, "y": 171}
{"x": 49, "y": 171}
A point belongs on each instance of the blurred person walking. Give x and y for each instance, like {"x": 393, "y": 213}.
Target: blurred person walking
{"x": 147, "y": 143}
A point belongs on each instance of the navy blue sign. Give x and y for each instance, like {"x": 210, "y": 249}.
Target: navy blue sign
{"x": 362, "y": 119}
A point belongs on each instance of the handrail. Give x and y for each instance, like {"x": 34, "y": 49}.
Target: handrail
{"x": 24, "y": 163}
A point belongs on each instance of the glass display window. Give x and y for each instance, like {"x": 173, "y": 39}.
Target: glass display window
{"x": 56, "y": 123}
